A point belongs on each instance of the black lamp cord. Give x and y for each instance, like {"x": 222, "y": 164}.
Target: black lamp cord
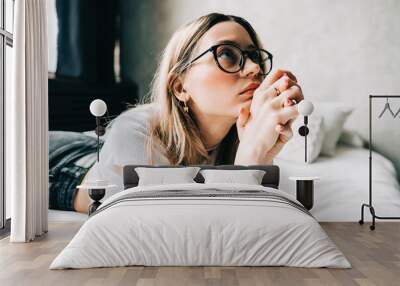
{"x": 98, "y": 137}
{"x": 305, "y": 137}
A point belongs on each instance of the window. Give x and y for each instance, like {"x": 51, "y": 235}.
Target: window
{"x": 6, "y": 44}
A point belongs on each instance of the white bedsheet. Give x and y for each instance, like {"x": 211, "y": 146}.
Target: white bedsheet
{"x": 344, "y": 184}
{"x": 182, "y": 231}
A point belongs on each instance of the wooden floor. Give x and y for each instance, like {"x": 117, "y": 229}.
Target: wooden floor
{"x": 374, "y": 255}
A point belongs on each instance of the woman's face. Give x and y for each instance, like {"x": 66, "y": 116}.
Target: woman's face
{"x": 212, "y": 91}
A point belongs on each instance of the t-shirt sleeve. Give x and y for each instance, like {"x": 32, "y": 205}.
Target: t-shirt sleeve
{"x": 126, "y": 144}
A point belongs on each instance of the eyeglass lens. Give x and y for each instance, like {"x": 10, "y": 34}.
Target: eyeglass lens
{"x": 230, "y": 58}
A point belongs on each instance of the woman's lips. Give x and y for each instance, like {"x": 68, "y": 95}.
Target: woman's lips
{"x": 248, "y": 93}
{"x": 251, "y": 87}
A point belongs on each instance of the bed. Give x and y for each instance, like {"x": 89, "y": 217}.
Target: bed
{"x": 343, "y": 186}
{"x": 338, "y": 197}
{"x": 340, "y": 192}
{"x": 201, "y": 224}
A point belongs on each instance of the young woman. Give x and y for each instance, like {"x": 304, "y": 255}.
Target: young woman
{"x": 211, "y": 103}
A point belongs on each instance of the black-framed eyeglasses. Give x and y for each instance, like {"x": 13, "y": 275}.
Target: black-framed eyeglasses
{"x": 231, "y": 58}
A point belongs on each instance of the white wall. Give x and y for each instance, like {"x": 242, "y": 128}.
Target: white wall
{"x": 339, "y": 50}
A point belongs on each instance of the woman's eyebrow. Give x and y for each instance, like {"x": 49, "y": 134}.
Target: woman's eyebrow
{"x": 234, "y": 43}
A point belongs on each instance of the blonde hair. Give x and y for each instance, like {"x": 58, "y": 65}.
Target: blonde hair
{"x": 171, "y": 127}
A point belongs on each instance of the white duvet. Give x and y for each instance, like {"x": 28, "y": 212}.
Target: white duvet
{"x": 344, "y": 184}
{"x": 183, "y": 231}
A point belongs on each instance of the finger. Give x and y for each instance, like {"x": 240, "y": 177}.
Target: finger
{"x": 277, "y": 75}
{"x": 286, "y": 134}
{"x": 285, "y": 114}
{"x": 286, "y": 84}
{"x": 270, "y": 79}
{"x": 293, "y": 83}
{"x": 273, "y": 90}
{"x": 282, "y": 84}
{"x": 290, "y": 123}
{"x": 243, "y": 117}
{"x": 292, "y": 93}
{"x": 288, "y": 101}
{"x": 279, "y": 128}
{"x": 260, "y": 97}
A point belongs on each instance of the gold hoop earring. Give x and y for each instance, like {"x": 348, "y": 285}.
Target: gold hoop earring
{"x": 185, "y": 108}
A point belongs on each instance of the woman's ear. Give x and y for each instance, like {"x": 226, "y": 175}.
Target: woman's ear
{"x": 179, "y": 90}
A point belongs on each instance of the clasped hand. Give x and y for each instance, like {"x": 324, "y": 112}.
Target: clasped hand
{"x": 265, "y": 128}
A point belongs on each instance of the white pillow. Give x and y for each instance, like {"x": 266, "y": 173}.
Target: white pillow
{"x": 161, "y": 176}
{"x": 351, "y": 138}
{"x": 249, "y": 177}
{"x": 295, "y": 147}
{"x": 334, "y": 115}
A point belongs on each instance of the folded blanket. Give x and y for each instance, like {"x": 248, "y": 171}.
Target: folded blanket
{"x": 204, "y": 193}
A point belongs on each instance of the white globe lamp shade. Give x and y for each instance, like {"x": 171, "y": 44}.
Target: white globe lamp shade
{"x": 98, "y": 107}
{"x": 305, "y": 107}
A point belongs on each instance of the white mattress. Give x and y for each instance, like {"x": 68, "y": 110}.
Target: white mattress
{"x": 344, "y": 184}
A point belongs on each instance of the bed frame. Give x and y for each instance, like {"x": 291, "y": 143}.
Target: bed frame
{"x": 270, "y": 179}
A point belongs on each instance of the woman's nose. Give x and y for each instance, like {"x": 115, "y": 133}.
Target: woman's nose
{"x": 250, "y": 68}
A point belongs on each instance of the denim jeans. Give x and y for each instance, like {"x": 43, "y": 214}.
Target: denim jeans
{"x": 71, "y": 154}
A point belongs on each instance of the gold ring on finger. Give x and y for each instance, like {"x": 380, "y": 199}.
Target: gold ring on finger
{"x": 278, "y": 92}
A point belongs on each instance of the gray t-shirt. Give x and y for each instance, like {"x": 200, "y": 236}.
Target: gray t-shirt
{"x": 126, "y": 144}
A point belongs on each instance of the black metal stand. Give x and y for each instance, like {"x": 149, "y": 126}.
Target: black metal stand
{"x": 305, "y": 193}
{"x": 96, "y": 195}
{"x": 369, "y": 205}
{"x": 303, "y": 131}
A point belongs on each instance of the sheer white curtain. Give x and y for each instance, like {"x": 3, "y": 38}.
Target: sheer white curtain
{"x": 27, "y": 123}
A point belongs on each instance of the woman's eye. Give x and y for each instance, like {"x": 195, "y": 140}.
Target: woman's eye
{"x": 255, "y": 56}
{"x": 227, "y": 54}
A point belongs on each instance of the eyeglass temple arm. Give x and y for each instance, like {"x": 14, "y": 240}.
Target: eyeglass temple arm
{"x": 199, "y": 56}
